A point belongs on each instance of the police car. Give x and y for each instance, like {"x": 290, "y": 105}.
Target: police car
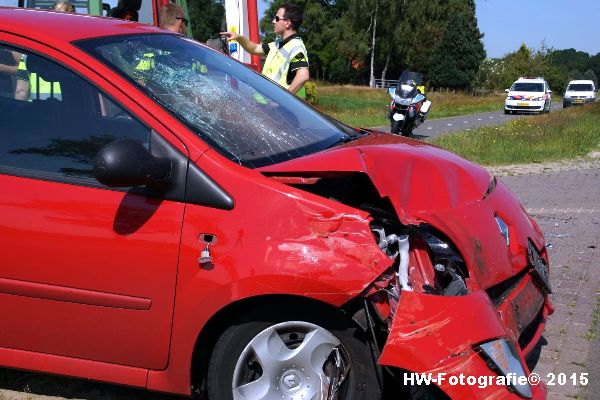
{"x": 528, "y": 95}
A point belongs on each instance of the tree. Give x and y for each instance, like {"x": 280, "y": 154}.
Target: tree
{"x": 570, "y": 59}
{"x": 594, "y": 64}
{"x": 457, "y": 56}
{"x": 489, "y": 75}
{"x": 575, "y": 74}
{"x": 207, "y": 18}
{"x": 591, "y": 75}
{"x": 419, "y": 30}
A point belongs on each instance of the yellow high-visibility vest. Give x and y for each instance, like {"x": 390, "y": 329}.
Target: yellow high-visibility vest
{"x": 278, "y": 62}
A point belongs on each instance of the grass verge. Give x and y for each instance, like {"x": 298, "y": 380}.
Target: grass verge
{"x": 367, "y": 107}
{"x": 556, "y": 136}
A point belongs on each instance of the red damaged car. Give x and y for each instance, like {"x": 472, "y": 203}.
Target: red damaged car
{"x": 172, "y": 220}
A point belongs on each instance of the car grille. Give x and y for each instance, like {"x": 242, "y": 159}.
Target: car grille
{"x": 524, "y": 107}
{"x": 501, "y": 291}
{"x": 530, "y": 330}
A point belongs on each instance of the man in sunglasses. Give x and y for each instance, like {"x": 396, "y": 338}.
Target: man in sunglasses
{"x": 173, "y": 18}
{"x": 287, "y": 58}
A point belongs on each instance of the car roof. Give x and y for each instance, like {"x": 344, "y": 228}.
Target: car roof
{"x": 53, "y": 27}
{"x": 530, "y": 79}
{"x": 582, "y": 81}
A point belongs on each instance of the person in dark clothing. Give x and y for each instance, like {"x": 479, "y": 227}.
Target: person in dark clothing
{"x": 9, "y": 63}
{"x": 127, "y": 9}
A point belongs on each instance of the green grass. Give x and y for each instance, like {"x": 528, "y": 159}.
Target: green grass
{"x": 366, "y": 107}
{"x": 556, "y": 136}
{"x": 592, "y": 330}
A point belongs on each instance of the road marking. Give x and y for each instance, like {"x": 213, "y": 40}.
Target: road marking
{"x": 466, "y": 122}
{"x": 449, "y": 124}
{"x": 491, "y": 117}
{"x": 429, "y": 127}
{"x": 478, "y": 119}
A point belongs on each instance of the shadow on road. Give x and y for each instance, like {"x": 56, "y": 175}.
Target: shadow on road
{"x": 33, "y": 384}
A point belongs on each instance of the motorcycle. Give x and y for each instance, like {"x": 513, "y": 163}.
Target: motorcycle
{"x": 409, "y": 106}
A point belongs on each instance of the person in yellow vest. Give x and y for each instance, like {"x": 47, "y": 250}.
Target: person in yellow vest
{"x": 287, "y": 58}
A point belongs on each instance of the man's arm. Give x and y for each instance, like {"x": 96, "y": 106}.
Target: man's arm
{"x": 11, "y": 69}
{"x": 247, "y": 44}
{"x": 299, "y": 80}
{"x": 8, "y": 69}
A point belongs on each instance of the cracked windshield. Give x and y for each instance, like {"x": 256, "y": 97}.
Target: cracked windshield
{"x": 239, "y": 113}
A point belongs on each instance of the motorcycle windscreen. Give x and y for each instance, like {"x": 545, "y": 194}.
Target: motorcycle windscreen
{"x": 408, "y": 76}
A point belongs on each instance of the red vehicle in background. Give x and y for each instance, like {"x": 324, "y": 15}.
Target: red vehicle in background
{"x": 161, "y": 228}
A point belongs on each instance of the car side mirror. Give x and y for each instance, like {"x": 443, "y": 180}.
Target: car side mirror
{"x": 126, "y": 162}
{"x": 507, "y": 90}
{"x": 549, "y": 91}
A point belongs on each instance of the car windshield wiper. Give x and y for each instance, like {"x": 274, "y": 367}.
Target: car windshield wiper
{"x": 351, "y": 136}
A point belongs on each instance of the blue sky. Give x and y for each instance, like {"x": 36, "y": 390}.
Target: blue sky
{"x": 562, "y": 24}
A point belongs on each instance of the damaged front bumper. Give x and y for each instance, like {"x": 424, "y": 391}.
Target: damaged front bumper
{"x": 471, "y": 332}
{"x": 442, "y": 336}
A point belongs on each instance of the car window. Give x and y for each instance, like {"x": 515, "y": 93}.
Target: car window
{"x": 81, "y": 6}
{"x": 528, "y": 87}
{"x": 239, "y": 113}
{"x": 580, "y": 87}
{"x": 53, "y": 121}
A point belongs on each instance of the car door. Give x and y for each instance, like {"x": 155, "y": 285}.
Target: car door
{"x": 86, "y": 271}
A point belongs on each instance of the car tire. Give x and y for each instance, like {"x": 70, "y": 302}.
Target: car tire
{"x": 395, "y": 128}
{"x": 271, "y": 355}
{"x": 506, "y": 112}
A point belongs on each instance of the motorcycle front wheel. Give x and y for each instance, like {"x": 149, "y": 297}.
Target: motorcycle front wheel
{"x": 396, "y": 126}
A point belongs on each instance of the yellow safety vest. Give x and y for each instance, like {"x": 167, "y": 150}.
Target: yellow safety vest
{"x": 278, "y": 62}
{"x": 148, "y": 64}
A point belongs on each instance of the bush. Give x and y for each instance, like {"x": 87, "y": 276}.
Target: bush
{"x": 311, "y": 93}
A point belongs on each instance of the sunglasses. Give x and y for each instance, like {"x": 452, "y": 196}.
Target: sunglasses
{"x": 278, "y": 18}
{"x": 182, "y": 19}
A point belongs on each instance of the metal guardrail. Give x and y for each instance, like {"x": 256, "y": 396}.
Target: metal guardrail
{"x": 386, "y": 83}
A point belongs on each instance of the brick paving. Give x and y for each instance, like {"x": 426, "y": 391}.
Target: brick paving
{"x": 566, "y": 205}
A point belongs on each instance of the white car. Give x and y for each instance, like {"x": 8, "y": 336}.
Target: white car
{"x": 579, "y": 92}
{"x": 528, "y": 95}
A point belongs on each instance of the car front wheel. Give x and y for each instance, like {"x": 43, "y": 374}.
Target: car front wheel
{"x": 283, "y": 355}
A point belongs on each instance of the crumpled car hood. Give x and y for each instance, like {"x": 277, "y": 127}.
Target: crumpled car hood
{"x": 429, "y": 185}
{"x": 417, "y": 177}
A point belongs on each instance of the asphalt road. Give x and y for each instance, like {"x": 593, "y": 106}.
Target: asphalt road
{"x": 432, "y": 128}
